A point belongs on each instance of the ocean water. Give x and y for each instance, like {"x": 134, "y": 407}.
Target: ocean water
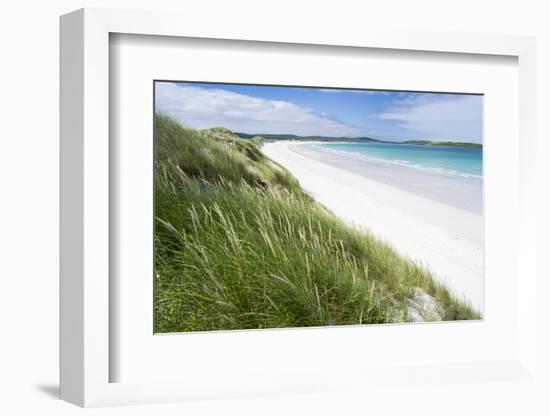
{"x": 448, "y": 161}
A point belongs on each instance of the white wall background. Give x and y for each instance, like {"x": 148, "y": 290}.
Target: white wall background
{"x": 29, "y": 197}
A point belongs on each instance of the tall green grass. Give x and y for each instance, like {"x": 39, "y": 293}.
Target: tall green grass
{"x": 239, "y": 245}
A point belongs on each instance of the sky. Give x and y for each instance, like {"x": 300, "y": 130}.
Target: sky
{"x": 382, "y": 115}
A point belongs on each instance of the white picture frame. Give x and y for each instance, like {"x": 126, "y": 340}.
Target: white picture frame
{"x": 85, "y": 219}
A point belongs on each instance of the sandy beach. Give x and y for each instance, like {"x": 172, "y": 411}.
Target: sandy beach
{"x": 411, "y": 210}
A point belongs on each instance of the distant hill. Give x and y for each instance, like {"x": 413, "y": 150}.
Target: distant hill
{"x": 449, "y": 144}
{"x": 309, "y": 138}
{"x": 356, "y": 140}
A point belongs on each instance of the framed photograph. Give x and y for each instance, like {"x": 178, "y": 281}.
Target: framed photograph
{"x": 276, "y": 206}
{"x": 275, "y": 212}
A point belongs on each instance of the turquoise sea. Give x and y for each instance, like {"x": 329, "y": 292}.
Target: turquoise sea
{"x": 450, "y": 161}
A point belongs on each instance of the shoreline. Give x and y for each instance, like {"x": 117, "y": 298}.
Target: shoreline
{"x": 446, "y": 238}
{"x": 466, "y": 191}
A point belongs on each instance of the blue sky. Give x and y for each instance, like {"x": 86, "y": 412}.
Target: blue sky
{"x": 381, "y": 115}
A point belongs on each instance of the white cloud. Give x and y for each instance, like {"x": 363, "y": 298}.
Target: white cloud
{"x": 205, "y": 108}
{"x": 438, "y": 116}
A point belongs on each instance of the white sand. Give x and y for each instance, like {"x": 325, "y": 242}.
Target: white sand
{"x": 446, "y": 239}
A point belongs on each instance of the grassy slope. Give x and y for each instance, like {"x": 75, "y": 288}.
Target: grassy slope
{"x": 240, "y": 245}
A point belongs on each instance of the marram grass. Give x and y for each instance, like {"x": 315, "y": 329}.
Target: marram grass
{"x": 239, "y": 245}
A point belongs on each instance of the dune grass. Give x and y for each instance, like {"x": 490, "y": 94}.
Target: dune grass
{"x": 239, "y": 245}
